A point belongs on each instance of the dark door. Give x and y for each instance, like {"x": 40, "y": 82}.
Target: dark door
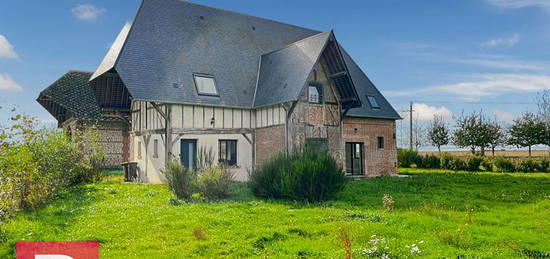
{"x": 354, "y": 158}
{"x": 188, "y": 154}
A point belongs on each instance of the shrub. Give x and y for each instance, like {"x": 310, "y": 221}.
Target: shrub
{"x": 36, "y": 166}
{"x": 407, "y": 158}
{"x": 181, "y": 181}
{"x": 388, "y": 202}
{"x": 544, "y": 165}
{"x": 302, "y": 175}
{"x": 474, "y": 163}
{"x": 527, "y": 165}
{"x": 457, "y": 164}
{"x": 215, "y": 182}
{"x": 430, "y": 161}
{"x": 503, "y": 165}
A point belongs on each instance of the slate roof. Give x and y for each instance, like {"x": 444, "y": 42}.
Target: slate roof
{"x": 284, "y": 72}
{"x": 72, "y": 93}
{"x": 170, "y": 40}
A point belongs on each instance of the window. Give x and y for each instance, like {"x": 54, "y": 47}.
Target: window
{"x": 380, "y": 142}
{"x": 358, "y": 150}
{"x": 156, "y": 148}
{"x": 205, "y": 85}
{"x": 139, "y": 149}
{"x": 373, "y": 102}
{"x": 228, "y": 152}
{"x": 315, "y": 93}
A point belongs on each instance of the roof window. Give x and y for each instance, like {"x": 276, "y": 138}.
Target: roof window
{"x": 205, "y": 85}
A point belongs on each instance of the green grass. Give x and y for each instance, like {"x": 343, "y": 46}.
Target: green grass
{"x": 445, "y": 214}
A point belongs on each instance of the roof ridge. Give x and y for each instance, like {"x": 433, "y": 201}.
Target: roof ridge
{"x": 247, "y": 15}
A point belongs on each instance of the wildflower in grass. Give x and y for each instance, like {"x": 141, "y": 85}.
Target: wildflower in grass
{"x": 388, "y": 202}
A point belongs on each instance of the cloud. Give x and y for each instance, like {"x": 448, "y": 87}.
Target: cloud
{"x": 507, "y": 42}
{"x": 6, "y": 83}
{"x": 519, "y": 3}
{"x": 504, "y": 116}
{"x": 87, "y": 12}
{"x": 485, "y": 85}
{"x": 6, "y": 49}
{"x": 424, "y": 112}
{"x": 503, "y": 63}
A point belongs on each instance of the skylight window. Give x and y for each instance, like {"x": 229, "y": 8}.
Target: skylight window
{"x": 373, "y": 102}
{"x": 205, "y": 85}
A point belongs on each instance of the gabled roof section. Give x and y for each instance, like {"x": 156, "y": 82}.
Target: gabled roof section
{"x": 72, "y": 95}
{"x": 283, "y": 73}
{"x": 364, "y": 88}
{"x": 109, "y": 61}
{"x": 170, "y": 40}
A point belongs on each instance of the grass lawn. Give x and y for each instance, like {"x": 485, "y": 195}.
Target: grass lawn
{"x": 444, "y": 214}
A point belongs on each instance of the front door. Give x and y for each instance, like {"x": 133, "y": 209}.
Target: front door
{"x": 354, "y": 158}
{"x": 188, "y": 154}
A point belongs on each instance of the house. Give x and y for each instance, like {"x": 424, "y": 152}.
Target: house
{"x": 189, "y": 78}
{"x": 71, "y": 101}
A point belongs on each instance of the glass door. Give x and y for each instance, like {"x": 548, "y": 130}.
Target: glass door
{"x": 188, "y": 153}
{"x": 354, "y": 158}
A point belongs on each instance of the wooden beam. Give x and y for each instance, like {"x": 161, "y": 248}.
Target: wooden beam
{"x": 211, "y": 131}
{"x": 339, "y": 74}
{"x": 159, "y": 110}
{"x": 168, "y": 132}
{"x": 247, "y": 138}
{"x": 343, "y": 115}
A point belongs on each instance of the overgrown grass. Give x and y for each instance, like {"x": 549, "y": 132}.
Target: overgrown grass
{"x": 489, "y": 215}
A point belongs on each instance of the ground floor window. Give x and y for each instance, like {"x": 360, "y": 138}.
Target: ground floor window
{"x": 228, "y": 152}
{"x": 354, "y": 158}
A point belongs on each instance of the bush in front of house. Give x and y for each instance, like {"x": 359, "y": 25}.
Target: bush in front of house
{"x": 181, "y": 181}
{"x": 38, "y": 165}
{"x": 501, "y": 164}
{"x": 215, "y": 183}
{"x": 305, "y": 175}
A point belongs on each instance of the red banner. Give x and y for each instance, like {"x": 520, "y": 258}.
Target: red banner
{"x": 56, "y": 250}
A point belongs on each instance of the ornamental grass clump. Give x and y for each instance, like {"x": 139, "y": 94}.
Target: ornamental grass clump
{"x": 181, "y": 181}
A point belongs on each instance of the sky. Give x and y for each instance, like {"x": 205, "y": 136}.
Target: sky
{"x": 448, "y": 57}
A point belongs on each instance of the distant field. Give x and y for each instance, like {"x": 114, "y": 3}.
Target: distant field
{"x": 500, "y": 153}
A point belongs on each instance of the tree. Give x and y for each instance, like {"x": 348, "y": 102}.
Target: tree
{"x": 419, "y": 134}
{"x": 496, "y": 135}
{"x": 543, "y": 103}
{"x": 527, "y": 131}
{"x": 438, "y": 133}
{"x": 472, "y": 132}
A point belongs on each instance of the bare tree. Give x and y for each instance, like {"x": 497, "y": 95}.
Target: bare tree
{"x": 438, "y": 133}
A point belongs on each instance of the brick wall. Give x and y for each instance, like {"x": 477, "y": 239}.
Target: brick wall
{"x": 269, "y": 142}
{"x": 366, "y": 130}
{"x": 113, "y": 138}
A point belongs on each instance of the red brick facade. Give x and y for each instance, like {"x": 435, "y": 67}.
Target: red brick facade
{"x": 366, "y": 130}
{"x": 269, "y": 142}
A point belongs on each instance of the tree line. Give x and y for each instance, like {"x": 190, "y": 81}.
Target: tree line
{"x": 478, "y": 132}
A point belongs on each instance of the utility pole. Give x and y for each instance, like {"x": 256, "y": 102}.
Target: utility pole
{"x": 410, "y": 111}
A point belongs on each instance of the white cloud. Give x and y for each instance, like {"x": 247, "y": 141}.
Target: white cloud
{"x": 424, "y": 112}
{"x": 6, "y": 49}
{"x": 6, "y": 83}
{"x": 506, "y": 42}
{"x": 519, "y": 3}
{"x": 87, "y": 12}
{"x": 486, "y": 85}
{"x": 504, "y": 63}
{"x": 504, "y": 116}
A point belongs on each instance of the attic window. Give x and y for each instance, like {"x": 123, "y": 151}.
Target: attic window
{"x": 315, "y": 93}
{"x": 373, "y": 102}
{"x": 205, "y": 85}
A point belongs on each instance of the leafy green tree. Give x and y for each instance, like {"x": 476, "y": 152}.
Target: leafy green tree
{"x": 543, "y": 103}
{"x": 472, "y": 132}
{"x": 495, "y": 134}
{"x": 438, "y": 133}
{"x": 527, "y": 131}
